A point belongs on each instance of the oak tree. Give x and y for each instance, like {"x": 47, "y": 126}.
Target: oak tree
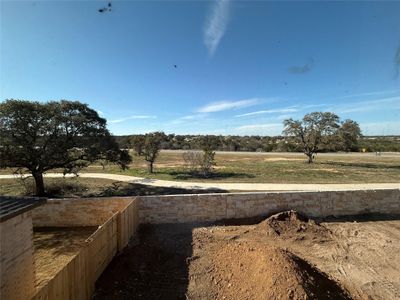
{"x": 312, "y": 130}
{"x": 151, "y": 148}
{"x": 137, "y": 141}
{"x": 66, "y": 135}
{"x": 349, "y": 134}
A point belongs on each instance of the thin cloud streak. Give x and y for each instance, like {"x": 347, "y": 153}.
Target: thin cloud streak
{"x": 380, "y": 128}
{"x": 369, "y": 94}
{"x": 366, "y": 106}
{"x": 270, "y": 111}
{"x": 260, "y": 129}
{"x": 136, "y": 117}
{"x": 188, "y": 118}
{"x": 284, "y": 117}
{"x": 228, "y": 105}
{"x": 259, "y": 126}
{"x": 216, "y": 24}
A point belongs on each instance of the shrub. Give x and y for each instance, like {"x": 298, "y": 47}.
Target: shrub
{"x": 192, "y": 160}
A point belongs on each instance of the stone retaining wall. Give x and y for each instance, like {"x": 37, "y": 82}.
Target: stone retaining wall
{"x": 78, "y": 212}
{"x": 17, "y": 274}
{"x": 211, "y": 207}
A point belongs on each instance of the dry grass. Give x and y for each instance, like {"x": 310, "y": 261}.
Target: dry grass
{"x": 87, "y": 187}
{"x": 273, "y": 168}
{"x": 231, "y": 167}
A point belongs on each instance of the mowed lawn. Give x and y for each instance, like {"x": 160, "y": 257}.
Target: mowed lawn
{"x": 272, "y": 168}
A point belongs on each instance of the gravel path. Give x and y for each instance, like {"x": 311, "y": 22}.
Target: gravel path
{"x": 229, "y": 186}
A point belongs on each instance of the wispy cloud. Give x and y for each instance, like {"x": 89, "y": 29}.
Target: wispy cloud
{"x": 302, "y": 69}
{"x": 188, "y": 118}
{"x": 260, "y": 129}
{"x": 284, "y": 117}
{"x": 369, "y": 94}
{"x": 216, "y": 24}
{"x": 380, "y": 128}
{"x": 132, "y": 118}
{"x": 228, "y": 105}
{"x": 392, "y": 103}
{"x": 313, "y": 105}
{"x": 270, "y": 111}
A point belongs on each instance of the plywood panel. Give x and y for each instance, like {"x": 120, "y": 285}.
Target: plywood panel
{"x": 77, "y": 279}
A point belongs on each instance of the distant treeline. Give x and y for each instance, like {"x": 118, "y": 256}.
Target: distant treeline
{"x": 380, "y": 143}
{"x": 267, "y": 143}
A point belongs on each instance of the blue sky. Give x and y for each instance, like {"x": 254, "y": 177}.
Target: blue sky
{"x": 242, "y": 66}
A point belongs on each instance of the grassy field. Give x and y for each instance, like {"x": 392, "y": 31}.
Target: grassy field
{"x": 86, "y": 187}
{"x": 231, "y": 167}
{"x": 273, "y": 168}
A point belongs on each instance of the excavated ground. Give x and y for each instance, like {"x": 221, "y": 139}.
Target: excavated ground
{"x": 286, "y": 256}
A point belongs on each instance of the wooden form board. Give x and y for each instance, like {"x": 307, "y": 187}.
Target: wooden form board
{"x": 128, "y": 221}
{"x": 77, "y": 279}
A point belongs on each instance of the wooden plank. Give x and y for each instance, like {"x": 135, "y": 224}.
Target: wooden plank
{"x": 77, "y": 279}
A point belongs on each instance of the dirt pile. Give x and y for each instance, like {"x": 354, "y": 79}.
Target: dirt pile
{"x": 250, "y": 270}
{"x": 247, "y": 261}
{"x": 292, "y": 225}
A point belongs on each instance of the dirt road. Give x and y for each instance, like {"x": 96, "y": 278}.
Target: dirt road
{"x": 228, "y": 186}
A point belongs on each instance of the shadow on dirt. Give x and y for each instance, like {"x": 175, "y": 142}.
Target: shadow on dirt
{"x": 367, "y": 217}
{"x": 153, "y": 266}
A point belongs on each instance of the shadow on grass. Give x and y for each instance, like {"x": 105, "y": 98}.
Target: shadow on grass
{"x": 361, "y": 165}
{"x": 183, "y": 175}
{"x": 134, "y": 189}
{"x": 117, "y": 188}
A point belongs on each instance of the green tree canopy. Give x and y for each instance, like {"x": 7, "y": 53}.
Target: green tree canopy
{"x": 208, "y": 144}
{"x": 39, "y": 137}
{"x": 151, "y": 147}
{"x": 137, "y": 141}
{"x": 349, "y": 134}
{"x": 312, "y": 130}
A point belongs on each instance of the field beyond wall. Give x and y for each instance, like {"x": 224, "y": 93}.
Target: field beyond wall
{"x": 233, "y": 167}
{"x": 254, "y": 167}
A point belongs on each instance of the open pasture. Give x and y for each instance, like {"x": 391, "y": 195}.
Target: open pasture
{"x": 273, "y": 167}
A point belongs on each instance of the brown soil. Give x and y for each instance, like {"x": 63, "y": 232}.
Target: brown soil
{"x": 238, "y": 263}
{"x": 251, "y": 270}
{"x": 286, "y": 256}
{"x": 292, "y": 225}
{"x": 55, "y": 247}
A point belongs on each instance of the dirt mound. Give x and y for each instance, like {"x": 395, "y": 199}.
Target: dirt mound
{"x": 248, "y": 270}
{"x": 291, "y": 224}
